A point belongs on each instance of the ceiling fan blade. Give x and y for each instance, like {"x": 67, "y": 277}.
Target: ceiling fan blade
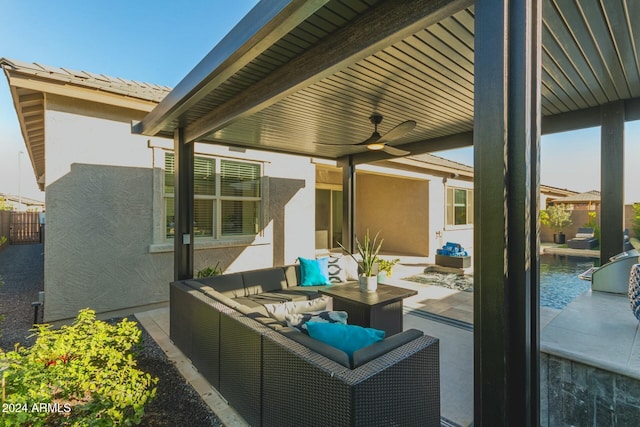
{"x": 334, "y": 144}
{"x": 399, "y": 130}
{"x": 375, "y": 136}
{"x": 395, "y": 151}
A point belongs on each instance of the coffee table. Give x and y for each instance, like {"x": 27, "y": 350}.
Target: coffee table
{"x": 381, "y": 309}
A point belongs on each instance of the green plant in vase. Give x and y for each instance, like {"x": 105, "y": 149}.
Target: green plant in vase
{"x": 368, "y": 251}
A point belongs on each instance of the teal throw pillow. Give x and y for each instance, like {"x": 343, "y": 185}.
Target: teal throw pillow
{"x": 347, "y": 338}
{"x": 314, "y": 272}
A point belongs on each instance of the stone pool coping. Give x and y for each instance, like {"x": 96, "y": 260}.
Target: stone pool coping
{"x": 596, "y": 329}
{"x": 554, "y": 250}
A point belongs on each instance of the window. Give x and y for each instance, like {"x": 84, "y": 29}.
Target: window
{"x": 459, "y": 206}
{"x": 227, "y": 197}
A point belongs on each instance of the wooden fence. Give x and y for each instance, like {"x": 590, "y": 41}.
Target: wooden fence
{"x": 25, "y": 228}
{"x": 5, "y": 224}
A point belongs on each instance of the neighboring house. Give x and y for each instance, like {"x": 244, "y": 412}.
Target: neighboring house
{"x": 580, "y": 205}
{"x": 549, "y": 194}
{"x": 589, "y": 201}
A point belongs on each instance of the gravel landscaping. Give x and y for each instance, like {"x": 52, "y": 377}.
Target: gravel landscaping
{"x": 458, "y": 282}
{"x": 21, "y": 271}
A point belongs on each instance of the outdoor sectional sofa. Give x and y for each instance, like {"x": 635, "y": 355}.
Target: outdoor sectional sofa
{"x": 274, "y": 375}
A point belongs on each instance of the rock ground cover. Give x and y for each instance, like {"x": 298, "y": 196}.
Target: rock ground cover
{"x": 458, "y": 282}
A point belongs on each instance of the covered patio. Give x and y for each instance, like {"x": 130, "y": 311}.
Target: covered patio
{"x": 492, "y": 74}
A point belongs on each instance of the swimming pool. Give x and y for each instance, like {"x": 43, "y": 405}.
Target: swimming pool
{"x": 559, "y": 282}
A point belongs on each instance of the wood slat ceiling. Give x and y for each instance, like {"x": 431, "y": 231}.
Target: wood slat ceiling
{"x": 590, "y": 57}
{"x": 31, "y": 109}
{"x": 335, "y": 15}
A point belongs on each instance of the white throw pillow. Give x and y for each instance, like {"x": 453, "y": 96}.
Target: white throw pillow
{"x": 279, "y": 311}
{"x": 351, "y": 267}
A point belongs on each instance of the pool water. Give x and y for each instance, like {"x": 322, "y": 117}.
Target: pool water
{"x": 559, "y": 282}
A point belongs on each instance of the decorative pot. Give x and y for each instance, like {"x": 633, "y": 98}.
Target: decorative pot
{"x": 559, "y": 238}
{"x": 634, "y": 290}
{"x": 368, "y": 283}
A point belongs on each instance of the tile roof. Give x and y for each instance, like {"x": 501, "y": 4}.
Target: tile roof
{"x": 435, "y": 160}
{"x": 589, "y": 196}
{"x": 120, "y": 86}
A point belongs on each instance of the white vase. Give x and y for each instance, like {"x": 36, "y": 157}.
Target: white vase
{"x": 368, "y": 283}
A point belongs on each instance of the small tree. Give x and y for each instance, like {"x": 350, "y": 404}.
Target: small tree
{"x": 557, "y": 217}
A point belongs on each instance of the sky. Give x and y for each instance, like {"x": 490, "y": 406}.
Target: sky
{"x": 571, "y": 160}
{"x": 161, "y": 41}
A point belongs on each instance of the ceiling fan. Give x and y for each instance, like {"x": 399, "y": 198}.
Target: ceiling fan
{"x": 379, "y": 142}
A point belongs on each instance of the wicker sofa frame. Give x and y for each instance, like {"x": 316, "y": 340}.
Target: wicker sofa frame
{"x": 272, "y": 380}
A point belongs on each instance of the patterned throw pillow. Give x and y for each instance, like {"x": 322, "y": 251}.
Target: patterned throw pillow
{"x": 299, "y": 320}
{"x": 337, "y": 270}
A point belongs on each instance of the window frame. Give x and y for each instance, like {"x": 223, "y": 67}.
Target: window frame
{"x": 467, "y": 204}
{"x": 217, "y": 200}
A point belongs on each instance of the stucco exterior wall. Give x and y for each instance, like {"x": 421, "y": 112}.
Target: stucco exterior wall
{"x": 407, "y": 206}
{"x": 440, "y": 232}
{"x": 104, "y": 206}
{"x": 398, "y": 208}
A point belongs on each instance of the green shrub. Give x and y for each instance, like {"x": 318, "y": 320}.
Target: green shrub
{"x": 635, "y": 223}
{"x": 386, "y": 266}
{"x": 592, "y": 222}
{"x": 79, "y": 375}
{"x": 1, "y": 316}
{"x": 3, "y": 240}
{"x": 210, "y": 271}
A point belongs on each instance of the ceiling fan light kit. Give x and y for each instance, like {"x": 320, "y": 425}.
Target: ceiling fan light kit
{"x": 378, "y": 142}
